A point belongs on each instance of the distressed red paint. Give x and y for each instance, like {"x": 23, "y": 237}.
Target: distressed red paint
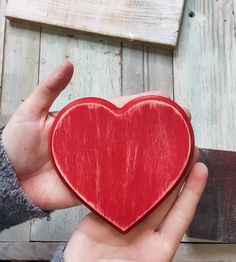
{"x": 122, "y": 162}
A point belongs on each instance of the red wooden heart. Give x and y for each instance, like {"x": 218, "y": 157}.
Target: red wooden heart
{"x": 122, "y": 162}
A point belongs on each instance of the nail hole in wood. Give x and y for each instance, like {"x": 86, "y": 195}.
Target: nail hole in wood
{"x": 191, "y": 14}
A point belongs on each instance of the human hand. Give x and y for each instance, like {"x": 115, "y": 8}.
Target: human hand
{"x": 155, "y": 239}
{"x": 25, "y": 139}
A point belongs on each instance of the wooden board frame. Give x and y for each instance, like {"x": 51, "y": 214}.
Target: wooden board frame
{"x": 155, "y": 22}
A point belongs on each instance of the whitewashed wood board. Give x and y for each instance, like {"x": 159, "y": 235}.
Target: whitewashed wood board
{"x": 132, "y": 69}
{"x": 2, "y": 33}
{"x": 27, "y": 250}
{"x": 205, "y": 253}
{"x": 186, "y": 252}
{"x": 146, "y": 69}
{"x": 21, "y": 61}
{"x": 17, "y": 233}
{"x": 60, "y": 227}
{"x": 204, "y": 71}
{"x": 96, "y": 61}
{"x": 153, "y": 21}
{"x": 158, "y": 70}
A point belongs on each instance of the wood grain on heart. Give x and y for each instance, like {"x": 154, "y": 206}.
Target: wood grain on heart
{"x": 122, "y": 162}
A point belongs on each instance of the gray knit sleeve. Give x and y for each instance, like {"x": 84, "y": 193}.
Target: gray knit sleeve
{"x": 59, "y": 254}
{"x": 15, "y": 207}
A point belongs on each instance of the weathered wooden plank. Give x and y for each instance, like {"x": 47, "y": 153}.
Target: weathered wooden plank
{"x": 186, "y": 252}
{"x": 27, "y": 250}
{"x": 205, "y": 82}
{"x": 97, "y": 73}
{"x": 17, "y": 233}
{"x": 59, "y": 227}
{"x": 158, "y": 70}
{"x": 153, "y": 21}
{"x": 146, "y": 69}
{"x": 96, "y": 60}
{"x": 217, "y": 217}
{"x": 2, "y": 33}
{"x": 204, "y": 68}
{"x": 132, "y": 69}
{"x": 206, "y": 252}
{"x": 20, "y": 74}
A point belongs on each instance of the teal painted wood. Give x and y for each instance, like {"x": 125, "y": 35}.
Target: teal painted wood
{"x": 132, "y": 69}
{"x": 19, "y": 233}
{"x": 204, "y": 71}
{"x": 146, "y": 68}
{"x": 158, "y": 70}
{"x": 61, "y": 225}
{"x": 20, "y": 72}
{"x": 96, "y": 60}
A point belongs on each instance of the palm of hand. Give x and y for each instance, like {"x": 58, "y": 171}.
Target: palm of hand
{"x": 38, "y": 179}
{"x": 156, "y": 239}
{"x": 144, "y": 243}
{"x": 141, "y": 244}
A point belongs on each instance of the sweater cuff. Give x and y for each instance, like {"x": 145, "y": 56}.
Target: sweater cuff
{"x": 59, "y": 254}
{"x": 15, "y": 207}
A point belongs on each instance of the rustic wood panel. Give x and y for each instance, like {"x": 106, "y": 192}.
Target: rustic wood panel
{"x": 2, "y": 33}
{"x": 97, "y": 63}
{"x": 96, "y": 60}
{"x": 215, "y": 218}
{"x": 146, "y": 68}
{"x": 206, "y": 253}
{"x": 154, "y": 21}
{"x": 17, "y": 233}
{"x": 205, "y": 82}
{"x": 60, "y": 226}
{"x": 186, "y": 252}
{"x": 204, "y": 70}
{"x": 27, "y": 250}
{"x": 132, "y": 69}
{"x": 20, "y": 74}
{"x": 158, "y": 70}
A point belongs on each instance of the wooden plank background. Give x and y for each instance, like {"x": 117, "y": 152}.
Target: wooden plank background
{"x": 153, "y": 21}
{"x": 199, "y": 74}
{"x": 2, "y": 33}
{"x": 204, "y": 72}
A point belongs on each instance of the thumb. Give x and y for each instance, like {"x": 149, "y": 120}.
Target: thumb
{"x": 46, "y": 92}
